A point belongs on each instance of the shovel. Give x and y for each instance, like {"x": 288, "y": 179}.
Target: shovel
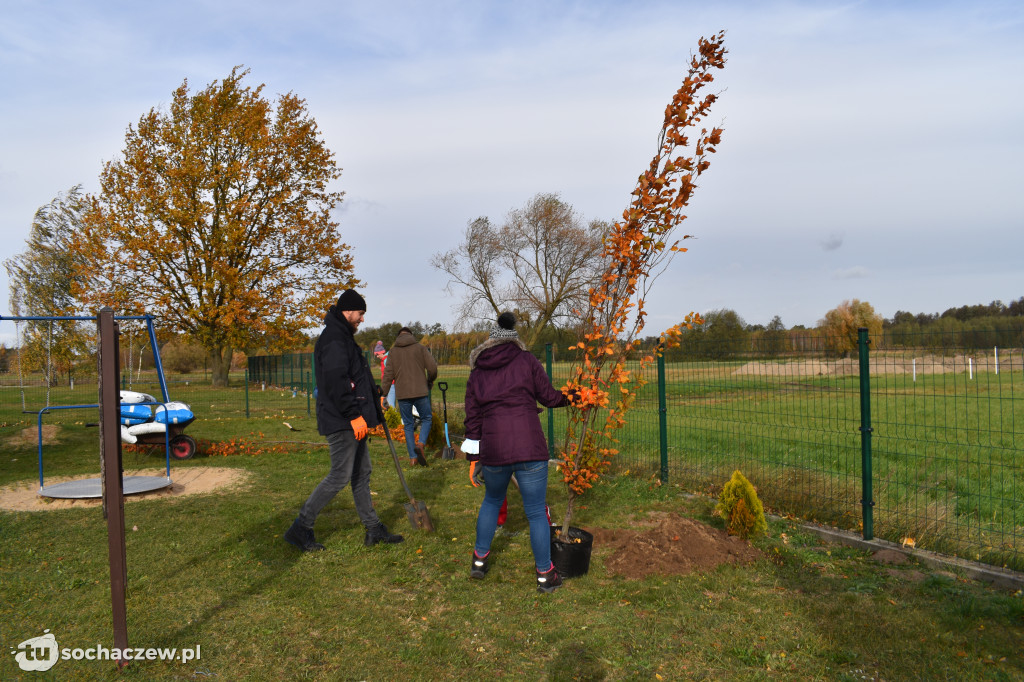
{"x": 419, "y": 517}
{"x": 449, "y": 451}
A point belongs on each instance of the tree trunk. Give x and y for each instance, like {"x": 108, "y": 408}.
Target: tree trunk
{"x": 570, "y": 505}
{"x": 220, "y": 364}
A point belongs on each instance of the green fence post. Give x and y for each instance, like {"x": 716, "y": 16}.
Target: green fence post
{"x": 309, "y": 392}
{"x": 662, "y": 416}
{"x": 867, "y": 501}
{"x": 551, "y": 412}
{"x": 246, "y": 392}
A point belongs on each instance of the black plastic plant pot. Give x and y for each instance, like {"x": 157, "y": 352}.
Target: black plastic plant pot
{"x": 571, "y": 558}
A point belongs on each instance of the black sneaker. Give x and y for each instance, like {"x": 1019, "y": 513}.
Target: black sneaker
{"x": 302, "y": 537}
{"x": 381, "y": 534}
{"x": 478, "y": 569}
{"x": 548, "y": 582}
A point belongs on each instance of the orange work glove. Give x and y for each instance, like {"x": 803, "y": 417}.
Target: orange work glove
{"x": 472, "y": 474}
{"x": 359, "y": 427}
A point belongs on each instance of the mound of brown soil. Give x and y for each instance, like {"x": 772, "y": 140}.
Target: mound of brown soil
{"x": 669, "y": 544}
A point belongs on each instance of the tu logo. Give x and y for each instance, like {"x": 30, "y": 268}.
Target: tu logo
{"x": 37, "y": 654}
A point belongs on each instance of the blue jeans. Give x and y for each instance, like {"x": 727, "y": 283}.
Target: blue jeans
{"x": 422, "y": 405}
{"x": 533, "y": 486}
{"x": 350, "y": 462}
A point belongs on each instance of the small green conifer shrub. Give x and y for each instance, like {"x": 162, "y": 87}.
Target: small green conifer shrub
{"x": 740, "y": 507}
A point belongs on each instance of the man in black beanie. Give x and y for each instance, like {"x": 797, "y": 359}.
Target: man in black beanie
{"x": 346, "y": 408}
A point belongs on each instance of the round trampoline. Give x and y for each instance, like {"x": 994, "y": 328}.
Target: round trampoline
{"x": 92, "y": 487}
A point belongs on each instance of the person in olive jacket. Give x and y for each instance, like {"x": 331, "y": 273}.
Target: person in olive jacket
{"x": 346, "y": 408}
{"x": 505, "y": 384}
{"x": 413, "y": 370}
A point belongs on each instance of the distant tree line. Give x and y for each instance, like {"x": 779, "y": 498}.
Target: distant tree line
{"x": 996, "y": 309}
{"x": 969, "y": 326}
{"x": 724, "y": 334}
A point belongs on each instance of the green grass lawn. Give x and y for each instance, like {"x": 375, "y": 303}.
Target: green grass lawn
{"x": 946, "y": 448}
{"x": 213, "y": 570}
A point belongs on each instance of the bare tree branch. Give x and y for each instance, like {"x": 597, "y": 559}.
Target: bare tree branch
{"x": 539, "y": 264}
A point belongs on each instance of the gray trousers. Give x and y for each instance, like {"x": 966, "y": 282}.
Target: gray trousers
{"x": 350, "y": 462}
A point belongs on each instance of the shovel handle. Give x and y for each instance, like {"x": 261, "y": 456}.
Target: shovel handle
{"x": 394, "y": 455}
{"x": 398, "y": 466}
{"x": 443, "y": 387}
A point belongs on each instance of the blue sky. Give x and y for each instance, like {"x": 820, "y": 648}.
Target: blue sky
{"x": 872, "y": 150}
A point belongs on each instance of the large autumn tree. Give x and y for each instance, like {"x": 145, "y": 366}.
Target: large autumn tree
{"x": 217, "y": 220}
{"x": 540, "y": 263}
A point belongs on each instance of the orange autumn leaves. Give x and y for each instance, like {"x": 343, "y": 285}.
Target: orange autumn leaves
{"x": 637, "y": 250}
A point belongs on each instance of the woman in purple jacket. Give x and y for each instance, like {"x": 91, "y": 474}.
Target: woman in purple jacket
{"x": 505, "y": 384}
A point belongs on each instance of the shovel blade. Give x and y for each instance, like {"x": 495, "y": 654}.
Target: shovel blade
{"x": 419, "y": 517}
{"x": 448, "y": 453}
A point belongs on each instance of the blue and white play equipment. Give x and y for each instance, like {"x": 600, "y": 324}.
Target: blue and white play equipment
{"x": 144, "y": 420}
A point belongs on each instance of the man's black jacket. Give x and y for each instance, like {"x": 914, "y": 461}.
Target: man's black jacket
{"x": 345, "y": 386}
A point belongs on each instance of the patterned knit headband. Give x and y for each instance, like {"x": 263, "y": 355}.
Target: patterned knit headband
{"x": 499, "y": 333}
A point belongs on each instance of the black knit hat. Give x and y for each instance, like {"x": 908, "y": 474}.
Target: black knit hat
{"x": 350, "y": 300}
{"x": 507, "y": 321}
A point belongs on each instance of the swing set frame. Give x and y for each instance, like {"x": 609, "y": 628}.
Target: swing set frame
{"x": 79, "y": 489}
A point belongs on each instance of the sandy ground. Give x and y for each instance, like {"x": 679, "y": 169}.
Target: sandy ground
{"x": 24, "y": 496}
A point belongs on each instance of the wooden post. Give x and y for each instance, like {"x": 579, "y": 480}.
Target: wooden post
{"x": 111, "y": 472}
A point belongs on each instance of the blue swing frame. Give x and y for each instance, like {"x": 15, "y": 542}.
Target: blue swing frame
{"x": 159, "y": 369}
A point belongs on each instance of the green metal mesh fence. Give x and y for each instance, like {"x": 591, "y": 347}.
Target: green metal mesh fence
{"x": 946, "y": 451}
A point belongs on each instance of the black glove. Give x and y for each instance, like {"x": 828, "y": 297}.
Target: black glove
{"x": 476, "y": 473}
